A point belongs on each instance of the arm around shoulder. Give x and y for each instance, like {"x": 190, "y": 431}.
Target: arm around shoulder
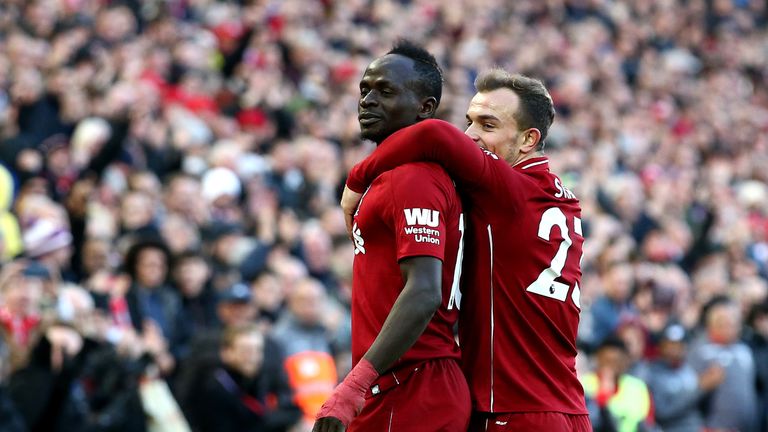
{"x": 427, "y": 141}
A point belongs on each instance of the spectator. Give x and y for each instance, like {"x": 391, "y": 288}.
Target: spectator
{"x": 616, "y": 401}
{"x": 269, "y": 298}
{"x": 234, "y": 309}
{"x": 309, "y": 346}
{"x": 191, "y": 275}
{"x": 240, "y": 394}
{"x": 10, "y": 417}
{"x": 609, "y": 309}
{"x": 153, "y": 306}
{"x": 97, "y": 256}
{"x": 43, "y": 389}
{"x": 50, "y": 242}
{"x": 676, "y": 388}
{"x": 316, "y": 252}
{"x": 21, "y": 287}
{"x": 224, "y": 241}
{"x": 183, "y": 197}
{"x": 733, "y": 403}
{"x": 136, "y": 212}
{"x": 635, "y": 337}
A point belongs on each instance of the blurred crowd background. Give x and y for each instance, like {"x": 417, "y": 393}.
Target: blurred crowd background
{"x": 172, "y": 251}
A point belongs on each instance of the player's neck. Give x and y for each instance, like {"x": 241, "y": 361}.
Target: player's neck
{"x": 528, "y": 157}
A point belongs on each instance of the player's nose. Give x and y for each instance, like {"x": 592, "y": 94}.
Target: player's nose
{"x": 369, "y": 99}
{"x": 470, "y": 132}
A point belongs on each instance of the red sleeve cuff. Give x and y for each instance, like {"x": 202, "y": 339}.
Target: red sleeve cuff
{"x": 354, "y": 183}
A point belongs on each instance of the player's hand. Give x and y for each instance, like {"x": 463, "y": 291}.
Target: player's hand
{"x": 341, "y": 408}
{"x": 328, "y": 424}
{"x": 347, "y": 399}
{"x": 349, "y": 201}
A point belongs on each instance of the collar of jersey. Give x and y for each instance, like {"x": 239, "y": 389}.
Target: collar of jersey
{"x": 540, "y": 163}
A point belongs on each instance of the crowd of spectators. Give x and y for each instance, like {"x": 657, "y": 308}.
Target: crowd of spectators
{"x": 170, "y": 238}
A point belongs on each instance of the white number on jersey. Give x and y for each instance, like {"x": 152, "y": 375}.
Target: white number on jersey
{"x": 455, "y": 298}
{"x": 545, "y": 284}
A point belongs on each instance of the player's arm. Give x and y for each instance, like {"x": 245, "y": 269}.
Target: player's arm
{"x": 417, "y": 303}
{"x": 412, "y": 311}
{"x": 427, "y": 141}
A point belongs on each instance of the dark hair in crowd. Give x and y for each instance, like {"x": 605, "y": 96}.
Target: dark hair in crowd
{"x": 142, "y": 243}
{"x": 230, "y": 334}
{"x": 713, "y": 303}
{"x": 613, "y": 341}
{"x": 536, "y": 107}
{"x": 430, "y": 76}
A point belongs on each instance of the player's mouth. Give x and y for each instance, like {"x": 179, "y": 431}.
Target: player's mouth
{"x": 367, "y": 119}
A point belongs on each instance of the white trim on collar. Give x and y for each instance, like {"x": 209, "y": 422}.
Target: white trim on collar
{"x": 535, "y": 163}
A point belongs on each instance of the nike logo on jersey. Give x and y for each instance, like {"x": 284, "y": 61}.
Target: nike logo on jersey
{"x": 421, "y": 216}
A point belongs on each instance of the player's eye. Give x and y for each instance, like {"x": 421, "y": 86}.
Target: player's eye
{"x": 488, "y": 126}
{"x": 363, "y": 91}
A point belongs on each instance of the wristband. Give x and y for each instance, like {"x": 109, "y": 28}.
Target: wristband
{"x": 348, "y": 398}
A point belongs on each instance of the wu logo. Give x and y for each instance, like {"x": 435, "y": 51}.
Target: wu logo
{"x": 420, "y": 216}
{"x": 358, "y": 239}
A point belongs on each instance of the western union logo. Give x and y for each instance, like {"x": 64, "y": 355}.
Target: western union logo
{"x": 421, "y": 216}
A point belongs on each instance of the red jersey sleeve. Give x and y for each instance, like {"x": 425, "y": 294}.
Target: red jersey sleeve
{"x": 422, "y": 198}
{"x": 429, "y": 140}
{"x": 475, "y": 170}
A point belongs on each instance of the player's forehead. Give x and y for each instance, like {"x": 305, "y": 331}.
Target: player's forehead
{"x": 500, "y": 103}
{"x": 391, "y": 68}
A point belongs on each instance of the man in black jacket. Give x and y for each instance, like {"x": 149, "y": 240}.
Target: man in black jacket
{"x": 242, "y": 393}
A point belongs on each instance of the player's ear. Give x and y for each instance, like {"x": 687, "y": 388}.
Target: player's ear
{"x": 531, "y": 138}
{"x": 428, "y": 107}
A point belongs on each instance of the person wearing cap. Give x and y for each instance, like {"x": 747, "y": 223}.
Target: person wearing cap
{"x": 222, "y": 240}
{"x": 50, "y": 241}
{"x": 234, "y": 306}
{"x": 221, "y": 189}
{"x": 675, "y": 386}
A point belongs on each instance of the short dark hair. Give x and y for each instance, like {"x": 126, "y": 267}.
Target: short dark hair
{"x": 537, "y": 109}
{"x": 230, "y": 334}
{"x": 615, "y": 342}
{"x": 149, "y": 241}
{"x": 430, "y": 76}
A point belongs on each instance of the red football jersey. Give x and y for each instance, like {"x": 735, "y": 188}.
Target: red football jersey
{"x": 520, "y": 309}
{"x": 412, "y": 210}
